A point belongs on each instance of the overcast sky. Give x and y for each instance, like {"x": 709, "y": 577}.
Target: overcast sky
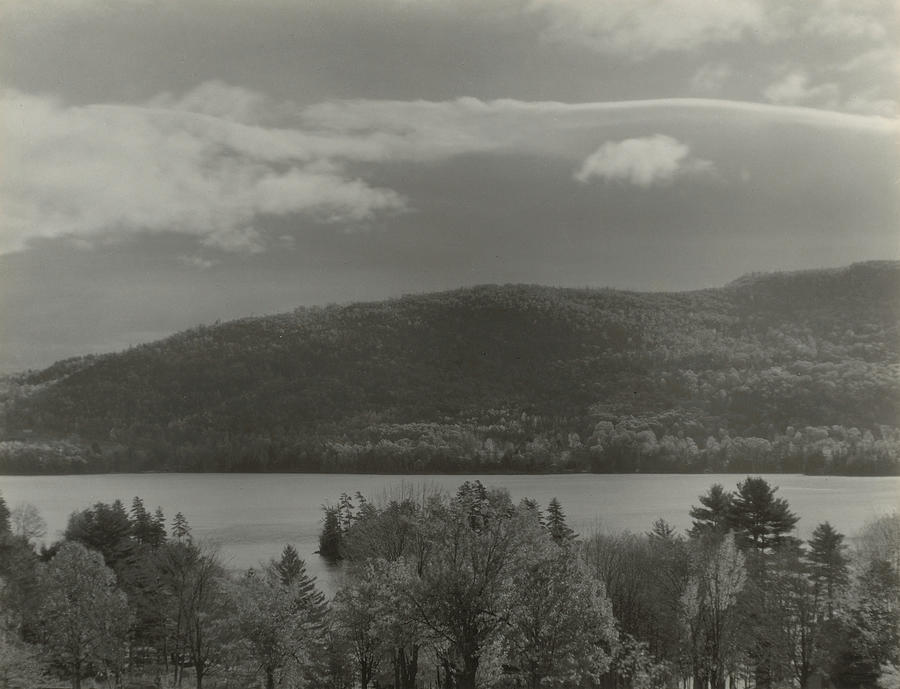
{"x": 165, "y": 163}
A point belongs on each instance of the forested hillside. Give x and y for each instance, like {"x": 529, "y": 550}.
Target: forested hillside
{"x": 790, "y": 372}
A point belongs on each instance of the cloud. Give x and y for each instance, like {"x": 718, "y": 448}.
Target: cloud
{"x": 710, "y": 78}
{"x": 640, "y": 29}
{"x": 211, "y": 164}
{"x": 857, "y": 20}
{"x": 197, "y": 261}
{"x": 643, "y": 161}
{"x": 105, "y": 172}
{"x": 794, "y": 88}
{"x": 423, "y": 130}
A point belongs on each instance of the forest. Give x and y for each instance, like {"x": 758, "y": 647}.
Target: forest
{"x": 784, "y": 372}
{"x": 455, "y": 591}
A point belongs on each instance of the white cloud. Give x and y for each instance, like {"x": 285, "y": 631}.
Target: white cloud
{"x": 424, "y": 130}
{"x": 103, "y": 172}
{"x": 871, "y": 103}
{"x": 856, "y": 19}
{"x": 643, "y": 161}
{"x": 640, "y": 29}
{"x": 195, "y": 261}
{"x": 710, "y": 78}
{"x": 794, "y": 88}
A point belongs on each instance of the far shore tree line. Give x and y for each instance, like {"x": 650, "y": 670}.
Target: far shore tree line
{"x": 497, "y": 442}
{"x": 455, "y": 591}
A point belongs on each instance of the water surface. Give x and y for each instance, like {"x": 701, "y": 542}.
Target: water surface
{"x": 252, "y": 516}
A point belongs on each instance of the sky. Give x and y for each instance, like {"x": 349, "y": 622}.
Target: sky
{"x": 167, "y": 163}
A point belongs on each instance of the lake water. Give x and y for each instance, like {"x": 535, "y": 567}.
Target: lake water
{"x": 252, "y": 516}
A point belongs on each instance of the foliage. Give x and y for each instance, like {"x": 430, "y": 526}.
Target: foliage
{"x": 561, "y": 627}
{"x": 85, "y": 616}
{"x": 277, "y": 620}
{"x": 794, "y": 373}
{"x": 712, "y": 616}
{"x": 461, "y": 591}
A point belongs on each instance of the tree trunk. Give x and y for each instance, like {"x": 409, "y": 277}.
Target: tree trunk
{"x": 466, "y": 678}
{"x": 364, "y": 675}
{"x": 270, "y": 678}
{"x": 407, "y": 668}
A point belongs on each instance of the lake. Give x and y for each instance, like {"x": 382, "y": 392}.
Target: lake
{"x": 252, "y": 516}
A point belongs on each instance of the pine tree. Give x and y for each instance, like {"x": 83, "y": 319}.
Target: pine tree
{"x": 760, "y": 520}
{"x": 104, "y": 528}
{"x": 345, "y": 511}
{"x": 332, "y": 536}
{"x": 715, "y": 514}
{"x": 556, "y": 523}
{"x": 181, "y": 531}
{"x": 289, "y": 566}
{"x": 828, "y": 565}
{"x": 158, "y": 528}
{"x": 4, "y": 518}
{"x": 662, "y": 531}
{"x": 140, "y": 521}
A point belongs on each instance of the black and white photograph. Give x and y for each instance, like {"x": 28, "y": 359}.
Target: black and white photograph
{"x": 449, "y": 344}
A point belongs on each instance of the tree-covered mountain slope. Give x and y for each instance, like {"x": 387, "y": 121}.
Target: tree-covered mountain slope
{"x": 774, "y": 372}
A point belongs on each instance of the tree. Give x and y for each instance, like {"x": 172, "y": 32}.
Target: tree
{"x": 158, "y": 528}
{"x": 4, "y": 517}
{"x": 710, "y": 609}
{"x": 561, "y": 626}
{"x": 275, "y": 619}
{"x": 181, "y": 530}
{"x": 26, "y": 522}
{"x": 198, "y": 616}
{"x": 463, "y": 592}
{"x": 290, "y": 566}
{"x": 715, "y": 513}
{"x": 880, "y": 540}
{"x": 793, "y": 618}
{"x": 104, "y": 528}
{"x": 760, "y": 520}
{"x": 19, "y": 665}
{"x": 331, "y": 538}
{"x": 556, "y": 523}
{"x": 356, "y": 616}
{"x": 828, "y": 565}
{"x": 871, "y": 629}
{"x": 86, "y": 617}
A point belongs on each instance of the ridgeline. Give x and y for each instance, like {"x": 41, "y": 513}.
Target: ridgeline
{"x": 793, "y": 372}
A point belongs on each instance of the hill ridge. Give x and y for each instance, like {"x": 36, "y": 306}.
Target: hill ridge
{"x": 786, "y": 372}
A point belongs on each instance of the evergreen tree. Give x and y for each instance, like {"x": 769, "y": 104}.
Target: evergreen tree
{"x": 331, "y": 538}
{"x": 760, "y": 520}
{"x": 662, "y": 531}
{"x": 4, "y": 518}
{"x": 556, "y": 523}
{"x": 870, "y": 634}
{"x": 531, "y": 506}
{"x": 345, "y": 511}
{"x": 714, "y": 515}
{"x": 289, "y": 567}
{"x": 158, "y": 528}
{"x": 828, "y": 565}
{"x": 106, "y": 529}
{"x": 181, "y": 531}
{"x": 141, "y": 521}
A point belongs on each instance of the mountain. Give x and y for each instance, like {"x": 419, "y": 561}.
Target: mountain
{"x": 773, "y": 372}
